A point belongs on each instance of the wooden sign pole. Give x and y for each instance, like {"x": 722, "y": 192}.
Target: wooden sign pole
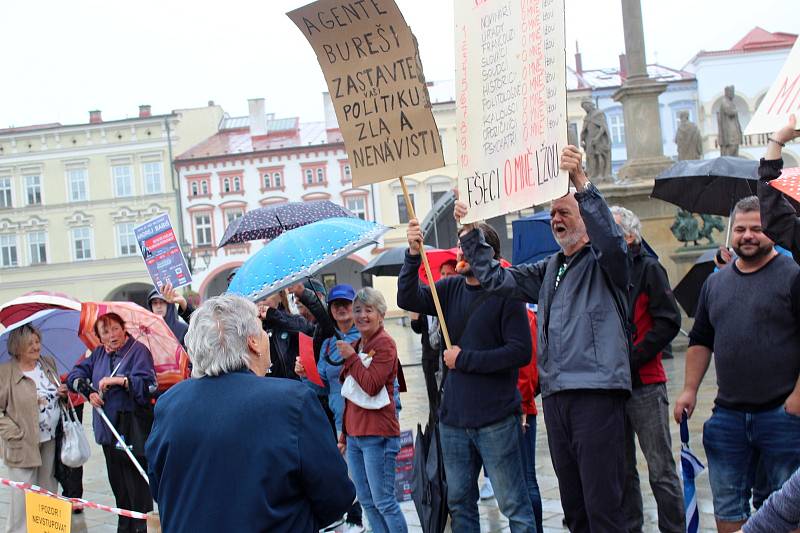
{"x": 431, "y": 284}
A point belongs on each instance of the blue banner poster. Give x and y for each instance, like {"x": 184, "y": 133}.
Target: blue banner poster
{"x": 161, "y": 253}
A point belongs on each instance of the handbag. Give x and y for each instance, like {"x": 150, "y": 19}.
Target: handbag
{"x": 75, "y": 450}
{"x": 353, "y": 391}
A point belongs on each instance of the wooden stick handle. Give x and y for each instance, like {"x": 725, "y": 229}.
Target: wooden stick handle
{"x": 431, "y": 284}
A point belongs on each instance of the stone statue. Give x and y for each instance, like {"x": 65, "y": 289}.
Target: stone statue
{"x": 596, "y": 141}
{"x": 688, "y": 138}
{"x": 685, "y": 228}
{"x": 729, "y": 134}
{"x": 711, "y": 223}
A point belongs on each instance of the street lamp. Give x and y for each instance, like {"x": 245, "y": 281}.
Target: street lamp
{"x": 186, "y": 248}
{"x": 206, "y": 255}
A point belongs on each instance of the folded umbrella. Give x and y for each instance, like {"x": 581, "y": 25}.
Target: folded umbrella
{"x": 429, "y": 487}
{"x": 707, "y": 186}
{"x": 300, "y": 253}
{"x": 59, "y": 330}
{"x": 691, "y": 467}
{"x": 389, "y": 262}
{"x": 266, "y": 223}
{"x": 687, "y": 291}
{"x": 169, "y": 358}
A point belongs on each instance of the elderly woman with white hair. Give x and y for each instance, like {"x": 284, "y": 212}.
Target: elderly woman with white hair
{"x": 231, "y": 451}
{"x": 371, "y": 433}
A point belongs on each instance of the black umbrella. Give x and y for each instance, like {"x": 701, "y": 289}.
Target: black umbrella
{"x": 429, "y": 488}
{"x": 687, "y": 291}
{"x": 707, "y": 186}
{"x": 266, "y": 223}
{"x": 387, "y": 263}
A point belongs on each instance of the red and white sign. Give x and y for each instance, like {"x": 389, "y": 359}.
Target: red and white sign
{"x": 782, "y": 100}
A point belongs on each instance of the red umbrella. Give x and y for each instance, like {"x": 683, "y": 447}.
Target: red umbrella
{"x": 30, "y": 303}
{"x": 436, "y": 258}
{"x": 789, "y": 184}
{"x": 169, "y": 358}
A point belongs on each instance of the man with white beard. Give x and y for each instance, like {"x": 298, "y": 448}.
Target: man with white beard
{"x": 583, "y": 346}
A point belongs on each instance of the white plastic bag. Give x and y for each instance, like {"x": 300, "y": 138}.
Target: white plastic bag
{"x": 353, "y": 391}
{"x": 75, "y": 450}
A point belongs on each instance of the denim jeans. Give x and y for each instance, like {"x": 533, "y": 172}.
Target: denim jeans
{"x": 528, "y": 446}
{"x": 736, "y": 444}
{"x": 647, "y": 416}
{"x": 497, "y": 446}
{"x": 372, "y": 462}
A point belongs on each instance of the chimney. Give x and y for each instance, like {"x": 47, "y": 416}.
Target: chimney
{"x": 578, "y": 60}
{"x": 144, "y": 111}
{"x": 211, "y": 103}
{"x": 623, "y": 67}
{"x": 258, "y": 117}
{"x": 95, "y": 117}
{"x": 331, "y": 122}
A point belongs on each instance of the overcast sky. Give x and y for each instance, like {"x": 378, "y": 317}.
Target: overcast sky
{"x": 62, "y": 58}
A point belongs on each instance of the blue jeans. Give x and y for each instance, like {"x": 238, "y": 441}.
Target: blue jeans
{"x": 497, "y": 446}
{"x": 372, "y": 462}
{"x": 528, "y": 446}
{"x": 735, "y": 442}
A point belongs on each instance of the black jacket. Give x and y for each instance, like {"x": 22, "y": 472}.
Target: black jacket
{"x": 284, "y": 327}
{"x": 778, "y": 216}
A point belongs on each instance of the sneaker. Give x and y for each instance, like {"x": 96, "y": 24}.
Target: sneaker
{"x": 353, "y": 528}
{"x": 487, "y": 492}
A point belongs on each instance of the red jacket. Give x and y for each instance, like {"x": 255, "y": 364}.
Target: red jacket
{"x": 529, "y": 374}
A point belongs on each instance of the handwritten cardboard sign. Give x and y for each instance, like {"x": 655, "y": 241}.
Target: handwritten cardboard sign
{"x": 374, "y": 74}
{"x": 511, "y": 104}
{"x": 782, "y": 100}
{"x": 45, "y": 514}
{"x": 161, "y": 252}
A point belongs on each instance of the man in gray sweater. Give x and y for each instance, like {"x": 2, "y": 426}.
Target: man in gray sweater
{"x": 748, "y": 315}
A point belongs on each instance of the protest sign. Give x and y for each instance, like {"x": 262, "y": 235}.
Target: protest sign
{"x": 374, "y": 74}
{"x": 782, "y": 100}
{"x": 161, "y": 253}
{"x": 511, "y": 104}
{"x": 45, "y": 514}
{"x": 306, "y": 353}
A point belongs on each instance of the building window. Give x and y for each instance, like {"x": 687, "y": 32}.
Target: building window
{"x": 320, "y": 175}
{"x": 277, "y": 179}
{"x": 436, "y": 195}
{"x": 358, "y": 205}
{"x": 226, "y": 185}
{"x": 402, "y": 209}
{"x": 82, "y": 243}
{"x": 202, "y": 229}
{"x": 5, "y": 192}
{"x": 204, "y": 187}
{"x": 8, "y": 251}
{"x": 127, "y": 239}
{"x": 237, "y": 184}
{"x": 267, "y": 181}
{"x": 152, "y": 177}
{"x": 33, "y": 190}
{"x": 309, "y": 176}
{"x": 195, "y": 189}
{"x": 616, "y": 123}
{"x": 347, "y": 174}
{"x": 232, "y": 214}
{"x": 37, "y": 246}
{"x": 123, "y": 180}
{"x": 77, "y": 185}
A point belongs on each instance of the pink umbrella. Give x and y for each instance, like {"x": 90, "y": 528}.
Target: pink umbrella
{"x": 169, "y": 358}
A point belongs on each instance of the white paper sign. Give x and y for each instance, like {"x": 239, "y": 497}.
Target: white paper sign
{"x": 782, "y": 100}
{"x": 511, "y": 104}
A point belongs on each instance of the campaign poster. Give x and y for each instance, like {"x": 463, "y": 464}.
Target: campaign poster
{"x": 161, "y": 252}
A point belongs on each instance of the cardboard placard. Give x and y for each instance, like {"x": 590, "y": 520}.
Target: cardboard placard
{"x": 782, "y": 100}
{"x": 45, "y": 514}
{"x": 511, "y": 104}
{"x": 161, "y": 252}
{"x": 374, "y": 74}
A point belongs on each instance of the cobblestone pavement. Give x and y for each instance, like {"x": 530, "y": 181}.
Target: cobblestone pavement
{"x": 415, "y": 408}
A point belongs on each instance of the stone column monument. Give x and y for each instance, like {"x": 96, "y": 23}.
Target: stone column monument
{"x": 639, "y": 98}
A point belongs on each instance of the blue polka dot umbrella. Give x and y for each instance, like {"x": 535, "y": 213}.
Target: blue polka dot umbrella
{"x": 301, "y": 252}
{"x": 266, "y": 223}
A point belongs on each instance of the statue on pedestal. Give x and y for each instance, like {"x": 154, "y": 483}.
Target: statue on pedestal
{"x": 596, "y": 141}
{"x": 686, "y": 227}
{"x": 729, "y": 135}
{"x": 688, "y": 138}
